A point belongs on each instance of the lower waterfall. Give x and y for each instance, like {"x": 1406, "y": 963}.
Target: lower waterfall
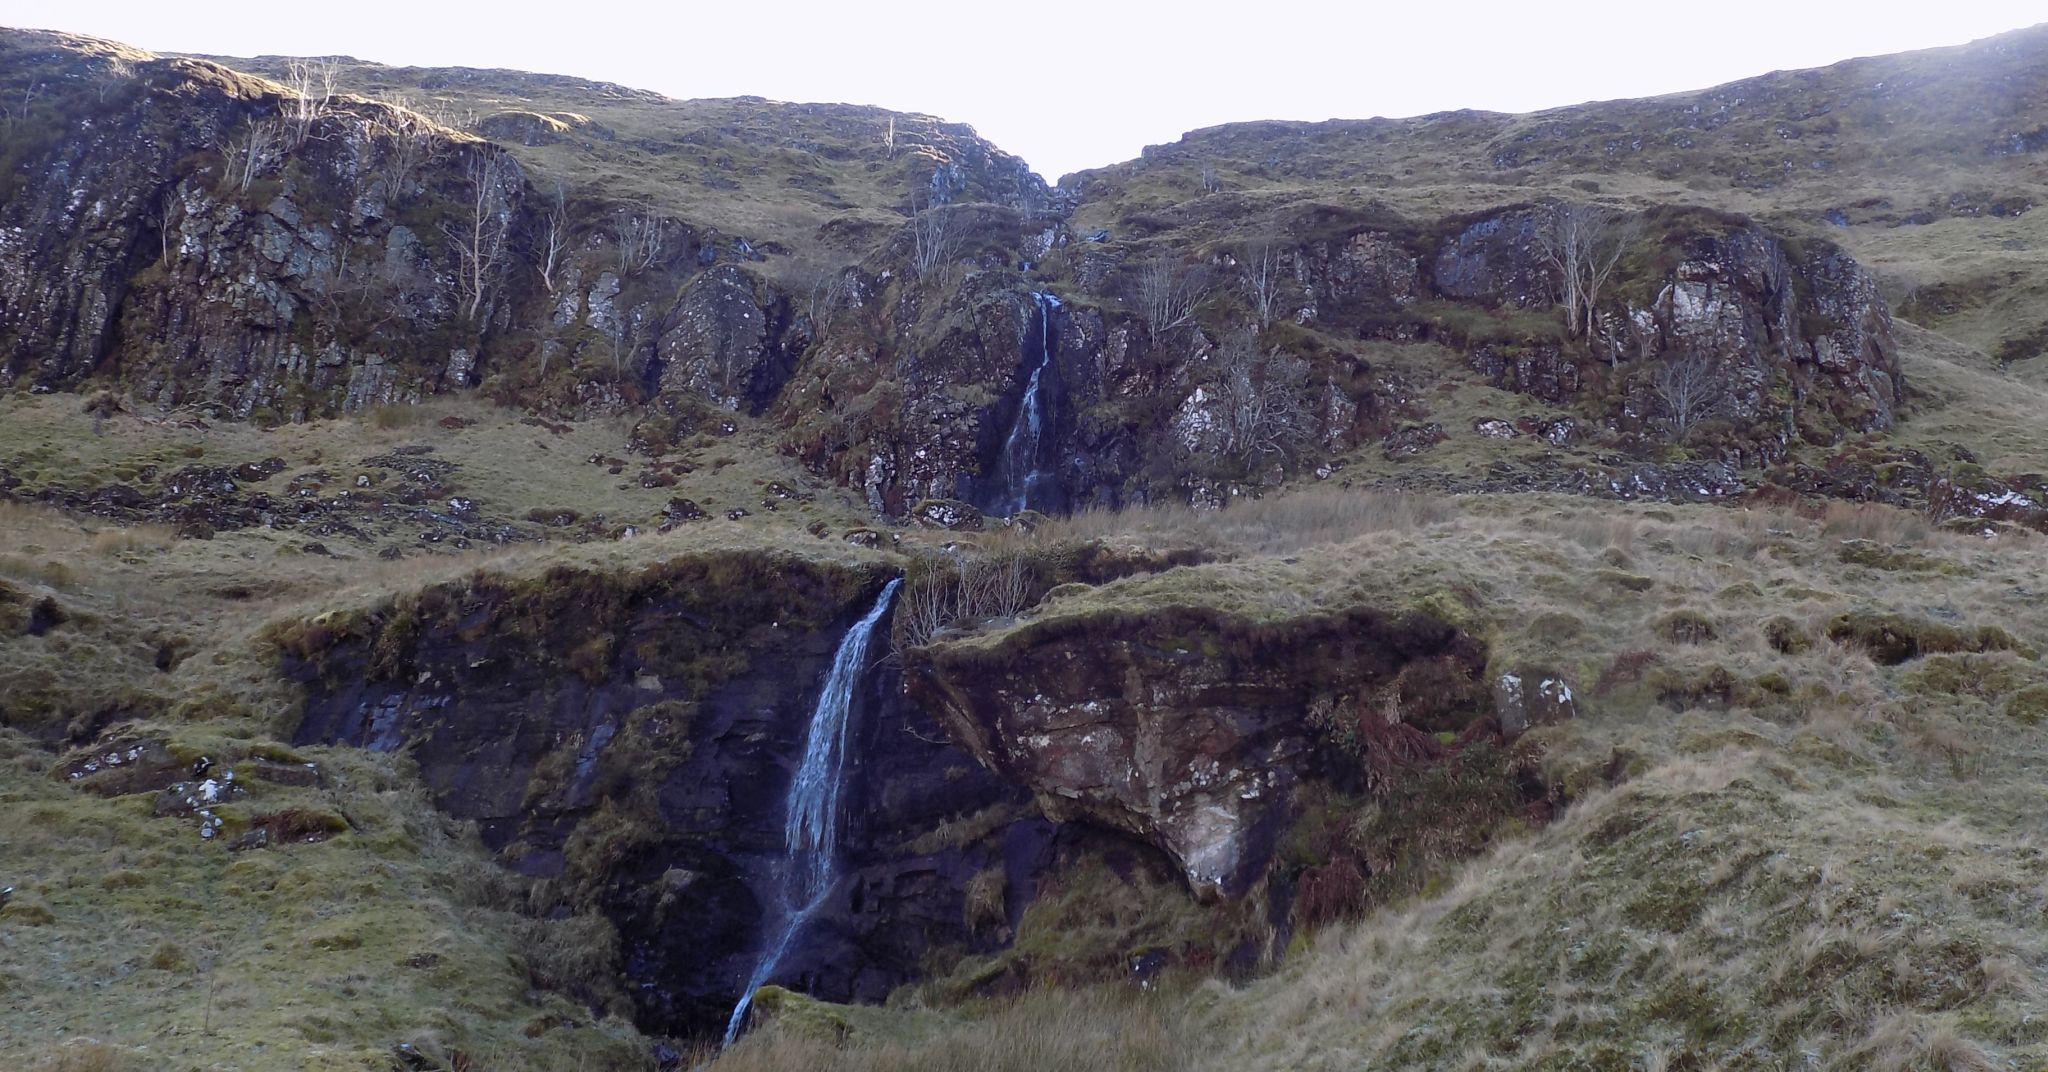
{"x": 811, "y": 827}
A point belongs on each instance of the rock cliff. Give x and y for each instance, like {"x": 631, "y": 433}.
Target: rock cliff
{"x": 1187, "y": 727}
{"x": 627, "y": 741}
{"x": 279, "y": 252}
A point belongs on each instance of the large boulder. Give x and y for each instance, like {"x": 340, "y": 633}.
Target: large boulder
{"x": 723, "y": 342}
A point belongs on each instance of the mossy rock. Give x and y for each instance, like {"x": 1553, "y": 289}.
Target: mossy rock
{"x": 1687, "y": 626}
{"x": 1891, "y": 639}
{"x": 1786, "y": 636}
{"x": 803, "y": 1015}
{"x": 1874, "y": 555}
{"x": 1627, "y": 582}
{"x": 2028, "y": 706}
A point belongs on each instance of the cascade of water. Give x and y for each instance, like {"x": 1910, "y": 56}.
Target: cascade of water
{"x": 810, "y": 829}
{"x": 1019, "y": 467}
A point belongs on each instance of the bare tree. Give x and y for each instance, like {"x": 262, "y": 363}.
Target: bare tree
{"x": 1691, "y": 389}
{"x": 935, "y": 238}
{"x": 19, "y": 113}
{"x": 629, "y": 336}
{"x": 311, "y": 82}
{"x": 1259, "y": 265}
{"x": 252, "y": 151}
{"x": 945, "y": 590}
{"x": 551, "y": 245}
{"x": 1261, "y": 395}
{"x": 820, "y": 289}
{"x": 1642, "y": 334}
{"x": 1583, "y": 244}
{"x": 411, "y": 140}
{"x": 889, "y": 138}
{"x": 637, "y": 236}
{"x": 478, "y": 232}
{"x": 1168, "y": 293}
{"x": 1210, "y": 182}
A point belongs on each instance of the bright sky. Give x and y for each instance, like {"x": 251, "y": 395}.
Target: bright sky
{"x": 1080, "y": 84}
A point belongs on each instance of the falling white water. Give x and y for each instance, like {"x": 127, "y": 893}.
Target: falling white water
{"x": 1018, "y": 470}
{"x": 811, "y": 827}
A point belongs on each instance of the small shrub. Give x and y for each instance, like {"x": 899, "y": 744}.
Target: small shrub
{"x": 984, "y": 908}
{"x": 1626, "y": 668}
{"x": 169, "y": 956}
{"x": 1556, "y": 626}
{"x": 1331, "y": 892}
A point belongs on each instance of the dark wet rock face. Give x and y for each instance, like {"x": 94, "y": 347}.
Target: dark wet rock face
{"x": 1187, "y": 728}
{"x": 630, "y": 745}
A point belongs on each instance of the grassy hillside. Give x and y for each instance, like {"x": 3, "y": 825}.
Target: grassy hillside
{"x": 1785, "y": 840}
{"x": 809, "y": 179}
{"x": 1800, "y": 798}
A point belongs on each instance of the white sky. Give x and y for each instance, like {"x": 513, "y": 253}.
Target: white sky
{"x": 1080, "y": 84}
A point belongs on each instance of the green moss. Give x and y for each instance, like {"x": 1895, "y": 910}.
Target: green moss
{"x": 1686, "y": 626}
{"x": 1892, "y": 639}
{"x": 1894, "y": 560}
{"x": 1786, "y": 637}
{"x": 2028, "y": 706}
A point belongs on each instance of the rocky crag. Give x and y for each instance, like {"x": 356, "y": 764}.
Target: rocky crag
{"x": 207, "y": 238}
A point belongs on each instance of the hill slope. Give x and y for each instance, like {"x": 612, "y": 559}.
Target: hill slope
{"x": 1334, "y": 628}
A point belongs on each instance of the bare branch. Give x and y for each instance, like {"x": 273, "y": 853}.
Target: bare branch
{"x": 637, "y": 236}
{"x": 478, "y": 234}
{"x": 1259, "y": 266}
{"x": 934, "y": 238}
{"x": 1169, "y": 292}
{"x": 551, "y": 248}
{"x": 1261, "y": 393}
{"x": 311, "y": 82}
{"x": 253, "y": 151}
{"x": 1691, "y": 388}
{"x": 1583, "y": 244}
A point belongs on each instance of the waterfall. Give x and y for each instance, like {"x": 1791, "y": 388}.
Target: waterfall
{"x": 1020, "y": 473}
{"x": 810, "y": 828}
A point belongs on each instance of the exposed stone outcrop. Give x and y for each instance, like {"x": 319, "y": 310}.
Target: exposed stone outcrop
{"x": 1188, "y": 728}
{"x": 165, "y": 228}
{"x": 724, "y": 341}
{"x": 628, "y": 741}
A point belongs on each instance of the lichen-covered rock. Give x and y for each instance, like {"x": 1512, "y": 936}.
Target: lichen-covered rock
{"x": 1530, "y": 697}
{"x": 724, "y": 341}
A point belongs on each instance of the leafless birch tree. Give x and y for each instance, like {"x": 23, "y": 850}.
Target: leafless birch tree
{"x": 478, "y": 233}
{"x": 551, "y": 244}
{"x": 935, "y": 237}
{"x": 311, "y": 82}
{"x": 1583, "y": 245}
{"x": 1691, "y": 389}
{"x": 1168, "y": 292}
{"x": 1259, "y": 264}
{"x": 1261, "y": 395}
{"x": 637, "y": 236}
{"x": 252, "y": 151}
